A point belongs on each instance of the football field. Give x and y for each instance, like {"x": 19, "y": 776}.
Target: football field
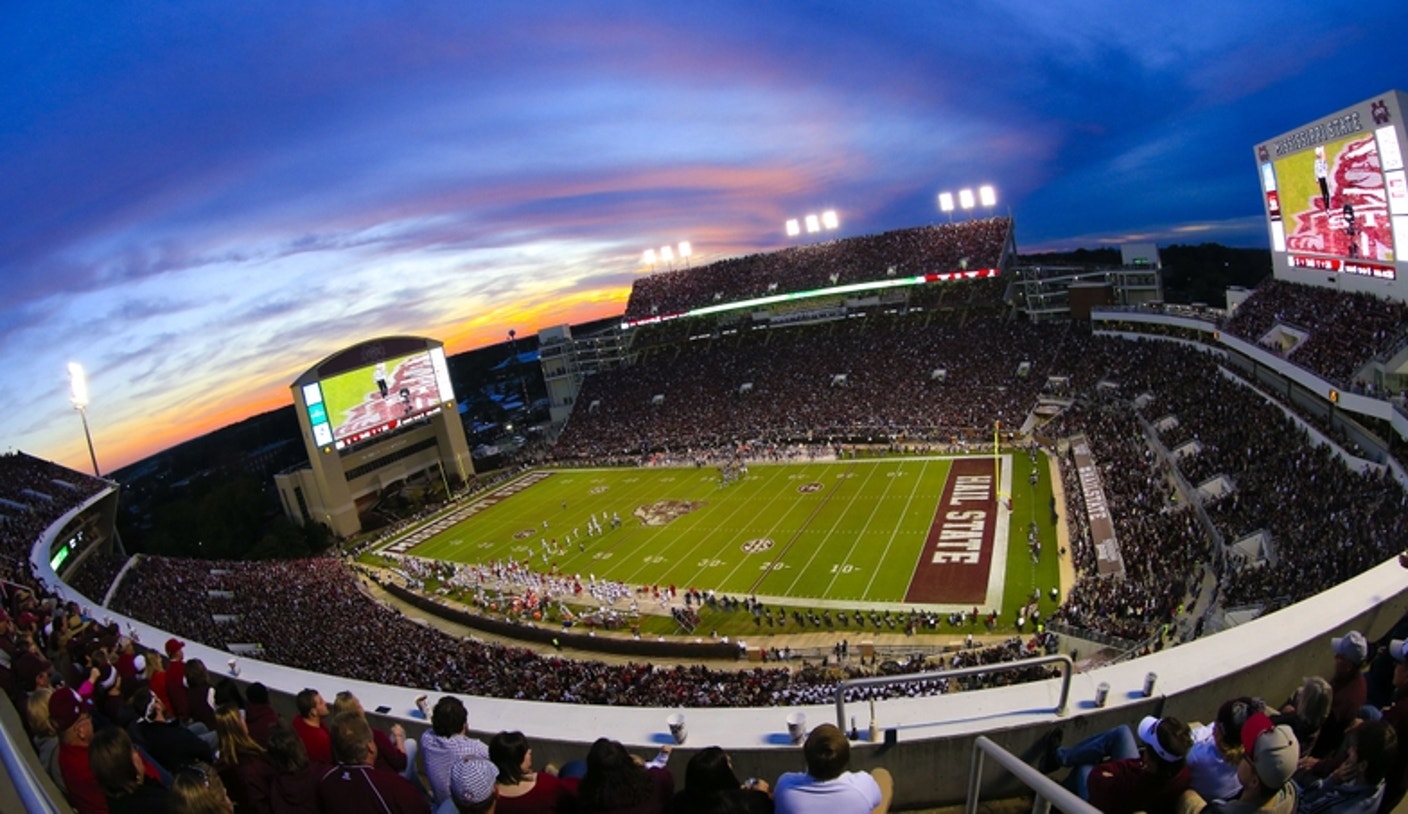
{"x": 936, "y": 533}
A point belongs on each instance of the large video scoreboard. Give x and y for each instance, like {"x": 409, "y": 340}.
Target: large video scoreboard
{"x": 1336, "y": 199}
{"x": 381, "y": 386}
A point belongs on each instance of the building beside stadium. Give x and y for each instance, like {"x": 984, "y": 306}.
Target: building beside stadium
{"x": 372, "y": 416}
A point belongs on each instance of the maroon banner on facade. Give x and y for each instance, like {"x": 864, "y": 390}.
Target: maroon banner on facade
{"x": 1108, "y": 559}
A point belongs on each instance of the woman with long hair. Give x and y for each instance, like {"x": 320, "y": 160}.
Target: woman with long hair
{"x": 122, "y": 774}
{"x": 522, "y": 790}
{"x": 294, "y": 789}
{"x": 710, "y": 785}
{"x": 617, "y": 782}
{"x": 200, "y": 696}
{"x": 198, "y": 789}
{"x": 243, "y": 766}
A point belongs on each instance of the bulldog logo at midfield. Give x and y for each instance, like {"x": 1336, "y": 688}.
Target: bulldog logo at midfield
{"x": 663, "y": 511}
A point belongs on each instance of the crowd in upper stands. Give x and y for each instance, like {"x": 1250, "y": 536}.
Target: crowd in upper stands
{"x": 975, "y": 244}
{"x": 1344, "y": 330}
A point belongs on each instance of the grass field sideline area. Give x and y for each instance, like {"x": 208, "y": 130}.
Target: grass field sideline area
{"x": 939, "y": 535}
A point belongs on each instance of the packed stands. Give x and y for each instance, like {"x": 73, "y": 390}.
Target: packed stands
{"x": 976, "y": 244}
{"x": 1346, "y": 330}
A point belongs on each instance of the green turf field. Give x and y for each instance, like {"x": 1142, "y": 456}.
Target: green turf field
{"x": 833, "y": 534}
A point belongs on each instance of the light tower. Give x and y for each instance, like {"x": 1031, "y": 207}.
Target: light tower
{"x": 78, "y": 394}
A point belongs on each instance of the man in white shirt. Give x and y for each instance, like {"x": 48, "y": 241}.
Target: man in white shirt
{"x": 826, "y": 787}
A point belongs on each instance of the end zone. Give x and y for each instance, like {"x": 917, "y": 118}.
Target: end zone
{"x": 967, "y": 536}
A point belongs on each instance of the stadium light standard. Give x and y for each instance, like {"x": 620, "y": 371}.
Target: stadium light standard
{"x": 667, "y": 254}
{"x": 78, "y": 394}
{"x": 813, "y": 223}
{"x": 966, "y": 199}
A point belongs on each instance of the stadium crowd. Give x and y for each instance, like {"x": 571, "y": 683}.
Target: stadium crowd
{"x": 974, "y": 244}
{"x": 1344, "y": 330}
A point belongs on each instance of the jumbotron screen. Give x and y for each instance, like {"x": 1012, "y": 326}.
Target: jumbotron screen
{"x": 1336, "y": 198}
{"x": 352, "y": 407}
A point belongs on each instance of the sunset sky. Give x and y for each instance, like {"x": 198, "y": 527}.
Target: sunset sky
{"x": 198, "y": 201}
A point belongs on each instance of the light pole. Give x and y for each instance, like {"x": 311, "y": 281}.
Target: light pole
{"x": 967, "y": 200}
{"x": 78, "y": 394}
{"x": 828, "y": 221}
{"x": 667, "y": 254}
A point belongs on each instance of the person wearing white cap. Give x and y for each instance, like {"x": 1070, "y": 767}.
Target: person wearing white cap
{"x": 1268, "y": 762}
{"x": 1122, "y": 770}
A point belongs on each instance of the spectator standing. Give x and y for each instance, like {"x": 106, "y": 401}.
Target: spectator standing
{"x": 175, "y": 682}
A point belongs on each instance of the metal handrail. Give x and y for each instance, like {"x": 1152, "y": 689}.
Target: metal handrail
{"x": 1068, "y": 669}
{"x": 1048, "y": 791}
{"x": 27, "y": 785}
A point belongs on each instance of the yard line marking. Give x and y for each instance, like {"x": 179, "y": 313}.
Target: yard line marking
{"x": 895, "y": 530}
{"x": 788, "y": 545}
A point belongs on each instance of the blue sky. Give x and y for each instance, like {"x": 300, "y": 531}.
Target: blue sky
{"x": 201, "y": 200}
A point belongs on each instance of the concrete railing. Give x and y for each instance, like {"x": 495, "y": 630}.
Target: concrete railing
{"x": 1067, "y": 670}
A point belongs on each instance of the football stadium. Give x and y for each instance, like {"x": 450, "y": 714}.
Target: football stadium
{"x": 880, "y": 483}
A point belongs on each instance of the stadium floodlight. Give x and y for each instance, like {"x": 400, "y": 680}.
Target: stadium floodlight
{"x": 987, "y": 196}
{"x": 829, "y": 219}
{"x": 685, "y": 251}
{"x": 946, "y": 202}
{"x": 813, "y": 224}
{"x": 794, "y": 228}
{"x": 667, "y": 254}
{"x": 965, "y": 198}
{"x": 78, "y": 394}
{"x": 649, "y": 257}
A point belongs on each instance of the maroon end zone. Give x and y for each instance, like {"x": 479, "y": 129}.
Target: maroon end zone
{"x": 957, "y": 556}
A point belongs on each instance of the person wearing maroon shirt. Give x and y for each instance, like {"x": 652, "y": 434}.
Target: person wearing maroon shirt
{"x": 1351, "y": 691}
{"x": 294, "y": 787}
{"x": 259, "y": 716}
{"x": 70, "y": 716}
{"x": 309, "y": 726}
{"x": 353, "y": 785}
{"x": 1120, "y": 772}
{"x": 176, "y": 679}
